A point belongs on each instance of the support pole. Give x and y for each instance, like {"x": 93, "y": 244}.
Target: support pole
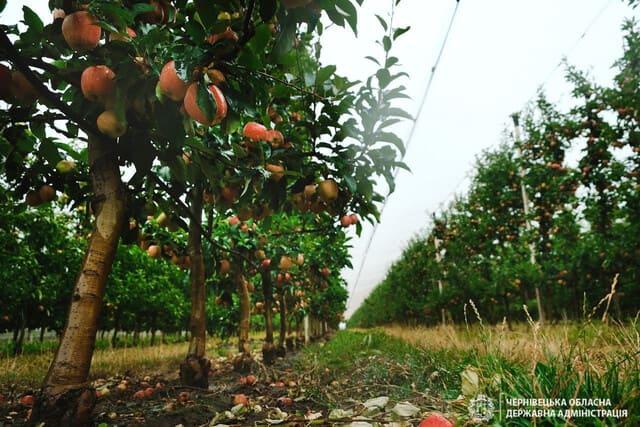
{"x": 525, "y": 203}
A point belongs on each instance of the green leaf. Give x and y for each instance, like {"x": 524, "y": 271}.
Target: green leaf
{"x": 207, "y": 12}
{"x": 32, "y": 20}
{"x": 71, "y": 152}
{"x": 195, "y": 30}
{"x": 386, "y": 43}
{"x": 399, "y": 112}
{"x": 382, "y": 22}
{"x": 169, "y": 121}
{"x": 205, "y": 101}
{"x": 324, "y": 73}
{"x": 391, "y": 138}
{"x": 384, "y": 77}
{"x": 3, "y": 4}
{"x": 371, "y": 58}
{"x": 348, "y": 10}
{"x": 402, "y": 165}
{"x": 351, "y": 183}
{"x": 49, "y": 152}
{"x": 400, "y": 31}
{"x": 284, "y": 42}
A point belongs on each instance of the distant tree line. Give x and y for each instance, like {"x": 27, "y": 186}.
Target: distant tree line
{"x": 580, "y": 170}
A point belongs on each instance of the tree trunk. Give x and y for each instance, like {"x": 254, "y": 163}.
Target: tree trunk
{"x": 16, "y": 332}
{"x": 114, "y": 338}
{"x": 42, "y": 330}
{"x": 243, "y": 361}
{"x": 66, "y": 397}
{"x": 194, "y": 370}
{"x": 289, "y": 340}
{"x": 19, "y": 342}
{"x": 283, "y": 324}
{"x": 136, "y": 337}
{"x": 268, "y": 349}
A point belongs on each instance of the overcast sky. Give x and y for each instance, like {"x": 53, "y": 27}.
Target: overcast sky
{"x": 498, "y": 54}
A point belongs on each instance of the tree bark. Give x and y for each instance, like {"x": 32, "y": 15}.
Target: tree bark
{"x": 243, "y": 361}
{"x": 268, "y": 349}
{"x": 281, "y": 351}
{"x": 290, "y": 339}
{"x": 194, "y": 370}
{"x": 66, "y": 397}
{"x": 19, "y": 342}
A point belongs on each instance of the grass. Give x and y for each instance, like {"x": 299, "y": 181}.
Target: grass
{"x": 447, "y": 366}
{"x": 527, "y": 343}
{"x": 440, "y": 368}
{"x": 27, "y": 371}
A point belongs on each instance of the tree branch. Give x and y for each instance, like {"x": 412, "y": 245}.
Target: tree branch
{"x": 14, "y": 56}
{"x": 279, "y": 80}
{"x": 247, "y": 29}
{"x": 39, "y": 63}
{"x": 180, "y": 204}
{"x": 304, "y": 231}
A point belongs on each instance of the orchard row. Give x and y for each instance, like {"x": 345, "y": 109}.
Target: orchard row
{"x": 578, "y": 241}
{"x": 209, "y": 135}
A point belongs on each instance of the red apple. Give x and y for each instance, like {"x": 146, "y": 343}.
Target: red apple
{"x": 240, "y": 399}
{"x": 22, "y": 91}
{"x": 225, "y": 266}
{"x": 277, "y": 171}
{"x": 98, "y": 83}
{"x": 328, "y": 190}
{"x": 435, "y": 420}
{"x": 171, "y": 85}
{"x": 227, "y": 34}
{"x": 81, "y": 31}
{"x": 285, "y": 401}
{"x": 110, "y": 124}
{"x": 47, "y": 193}
{"x": 254, "y": 132}
{"x": 154, "y": 251}
{"x": 274, "y": 138}
{"x": 229, "y": 194}
{"x": 194, "y": 111}
{"x": 27, "y": 400}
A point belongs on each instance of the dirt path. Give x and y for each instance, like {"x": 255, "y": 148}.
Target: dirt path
{"x": 351, "y": 380}
{"x": 271, "y": 389}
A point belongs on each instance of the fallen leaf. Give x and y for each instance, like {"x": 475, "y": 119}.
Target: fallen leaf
{"x": 470, "y": 382}
{"x": 337, "y": 414}
{"x": 313, "y": 416}
{"x": 405, "y": 410}
{"x": 377, "y": 402}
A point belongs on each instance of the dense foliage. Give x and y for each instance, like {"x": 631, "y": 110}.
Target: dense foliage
{"x": 226, "y": 127}
{"x": 581, "y": 171}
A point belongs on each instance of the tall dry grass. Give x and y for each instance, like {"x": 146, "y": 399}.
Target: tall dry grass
{"x": 27, "y": 371}
{"x": 526, "y": 343}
